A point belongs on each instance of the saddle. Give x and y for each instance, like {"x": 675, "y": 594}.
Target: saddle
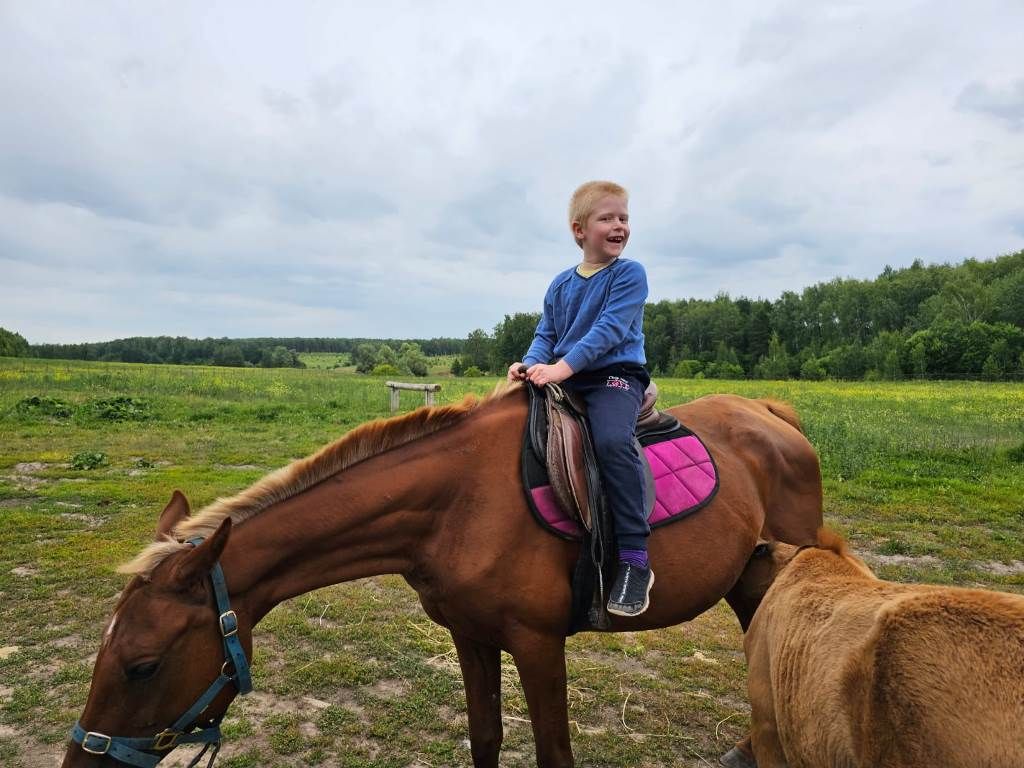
{"x": 560, "y": 471}
{"x": 560, "y": 435}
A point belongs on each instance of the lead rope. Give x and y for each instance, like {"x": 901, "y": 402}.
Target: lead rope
{"x": 197, "y": 758}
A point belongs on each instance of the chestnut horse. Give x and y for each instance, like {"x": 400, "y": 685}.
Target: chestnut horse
{"x": 435, "y": 496}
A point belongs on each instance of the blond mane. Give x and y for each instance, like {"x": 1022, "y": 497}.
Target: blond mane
{"x": 363, "y": 442}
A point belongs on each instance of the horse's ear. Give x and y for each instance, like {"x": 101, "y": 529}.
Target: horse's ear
{"x": 177, "y": 509}
{"x": 196, "y": 565}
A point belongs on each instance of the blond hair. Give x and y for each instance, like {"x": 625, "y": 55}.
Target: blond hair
{"x": 584, "y": 200}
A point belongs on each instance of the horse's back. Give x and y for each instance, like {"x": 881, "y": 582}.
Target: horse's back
{"x": 763, "y": 439}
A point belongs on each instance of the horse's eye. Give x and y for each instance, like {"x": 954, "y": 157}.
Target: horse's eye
{"x": 142, "y": 671}
{"x": 761, "y": 550}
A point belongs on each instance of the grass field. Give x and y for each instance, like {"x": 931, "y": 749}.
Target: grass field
{"x": 926, "y": 479}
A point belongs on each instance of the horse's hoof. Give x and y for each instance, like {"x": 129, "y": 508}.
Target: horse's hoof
{"x": 736, "y": 758}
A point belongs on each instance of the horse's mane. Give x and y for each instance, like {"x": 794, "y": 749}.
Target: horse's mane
{"x": 363, "y": 442}
{"x": 832, "y": 541}
{"x": 784, "y": 411}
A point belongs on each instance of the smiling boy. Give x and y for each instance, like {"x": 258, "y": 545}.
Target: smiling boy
{"x": 590, "y": 338}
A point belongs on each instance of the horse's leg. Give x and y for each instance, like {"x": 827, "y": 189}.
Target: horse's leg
{"x": 481, "y": 674}
{"x": 540, "y": 660}
{"x": 742, "y": 755}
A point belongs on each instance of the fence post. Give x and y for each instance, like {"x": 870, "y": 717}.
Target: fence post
{"x": 428, "y": 391}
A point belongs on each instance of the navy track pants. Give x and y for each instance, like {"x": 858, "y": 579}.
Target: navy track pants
{"x": 613, "y": 398}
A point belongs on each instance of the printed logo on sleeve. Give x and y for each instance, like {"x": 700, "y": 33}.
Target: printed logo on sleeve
{"x": 617, "y": 382}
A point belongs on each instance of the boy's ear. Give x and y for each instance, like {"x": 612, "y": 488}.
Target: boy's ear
{"x": 577, "y": 233}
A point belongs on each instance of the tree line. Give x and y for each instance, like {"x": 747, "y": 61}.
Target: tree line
{"x": 262, "y": 352}
{"x": 936, "y": 321}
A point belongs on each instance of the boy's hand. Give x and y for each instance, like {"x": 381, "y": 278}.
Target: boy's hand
{"x": 541, "y": 374}
{"x": 517, "y": 372}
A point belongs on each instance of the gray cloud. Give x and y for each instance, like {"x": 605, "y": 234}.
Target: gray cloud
{"x": 1003, "y": 103}
{"x": 397, "y": 170}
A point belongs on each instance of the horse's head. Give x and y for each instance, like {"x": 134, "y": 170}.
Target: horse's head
{"x": 767, "y": 559}
{"x": 161, "y": 650}
{"x": 770, "y": 557}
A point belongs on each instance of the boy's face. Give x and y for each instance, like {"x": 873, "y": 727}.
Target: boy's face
{"x": 607, "y": 229}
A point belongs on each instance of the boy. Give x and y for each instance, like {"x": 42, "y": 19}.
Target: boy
{"x": 592, "y": 327}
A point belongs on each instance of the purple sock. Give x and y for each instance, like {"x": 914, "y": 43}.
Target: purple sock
{"x": 635, "y": 557}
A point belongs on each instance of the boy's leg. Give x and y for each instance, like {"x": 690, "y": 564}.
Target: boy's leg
{"x": 613, "y": 403}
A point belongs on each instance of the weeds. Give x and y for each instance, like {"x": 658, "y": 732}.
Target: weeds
{"x": 88, "y": 460}
{"x": 121, "y": 408}
{"x": 42, "y": 405}
{"x": 1016, "y": 454}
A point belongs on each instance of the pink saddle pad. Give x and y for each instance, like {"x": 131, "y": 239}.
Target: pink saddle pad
{"x": 685, "y": 479}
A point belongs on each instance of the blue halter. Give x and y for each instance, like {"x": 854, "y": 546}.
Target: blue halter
{"x": 138, "y": 751}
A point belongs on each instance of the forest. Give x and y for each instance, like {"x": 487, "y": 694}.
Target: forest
{"x": 940, "y": 321}
{"x": 937, "y": 321}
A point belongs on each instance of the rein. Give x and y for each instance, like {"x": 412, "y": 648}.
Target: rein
{"x": 138, "y": 751}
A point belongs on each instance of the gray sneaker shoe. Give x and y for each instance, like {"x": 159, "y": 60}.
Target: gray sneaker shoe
{"x": 631, "y": 593}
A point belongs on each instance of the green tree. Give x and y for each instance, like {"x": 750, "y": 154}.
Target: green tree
{"x": 412, "y": 359}
{"x": 229, "y": 355}
{"x": 478, "y": 350}
{"x": 687, "y": 369}
{"x": 918, "y": 358}
{"x": 726, "y": 365}
{"x": 280, "y": 357}
{"x": 512, "y": 337}
{"x": 364, "y": 356}
{"x": 812, "y": 369}
{"x": 774, "y": 365}
{"x": 885, "y": 355}
{"x": 387, "y": 356}
{"x": 991, "y": 369}
{"x": 12, "y": 344}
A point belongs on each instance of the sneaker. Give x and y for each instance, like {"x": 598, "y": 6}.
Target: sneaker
{"x": 631, "y": 593}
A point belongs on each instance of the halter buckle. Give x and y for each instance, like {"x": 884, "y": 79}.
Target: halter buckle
{"x": 228, "y": 624}
{"x": 165, "y": 740}
{"x": 97, "y": 735}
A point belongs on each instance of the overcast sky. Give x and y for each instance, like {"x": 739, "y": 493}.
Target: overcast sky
{"x": 403, "y": 168}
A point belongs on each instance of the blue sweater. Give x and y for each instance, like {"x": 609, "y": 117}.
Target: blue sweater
{"x": 593, "y": 322}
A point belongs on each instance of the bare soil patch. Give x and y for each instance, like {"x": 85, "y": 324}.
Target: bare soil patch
{"x": 22, "y": 501}
{"x": 30, "y": 467}
{"x": 915, "y": 561}
{"x": 91, "y": 521}
{"x": 390, "y": 689}
{"x": 1012, "y": 568}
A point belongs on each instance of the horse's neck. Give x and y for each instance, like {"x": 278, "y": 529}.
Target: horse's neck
{"x": 364, "y": 521}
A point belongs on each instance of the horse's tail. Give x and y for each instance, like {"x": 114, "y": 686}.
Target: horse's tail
{"x": 784, "y": 411}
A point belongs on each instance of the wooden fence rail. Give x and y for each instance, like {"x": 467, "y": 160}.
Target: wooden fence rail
{"x": 428, "y": 391}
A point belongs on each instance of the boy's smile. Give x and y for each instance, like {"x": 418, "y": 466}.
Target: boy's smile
{"x": 606, "y": 232}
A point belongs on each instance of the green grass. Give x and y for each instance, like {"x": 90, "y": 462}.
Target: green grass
{"x": 325, "y": 360}
{"x": 923, "y": 477}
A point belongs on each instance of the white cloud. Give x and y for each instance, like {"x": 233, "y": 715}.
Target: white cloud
{"x": 402, "y": 169}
